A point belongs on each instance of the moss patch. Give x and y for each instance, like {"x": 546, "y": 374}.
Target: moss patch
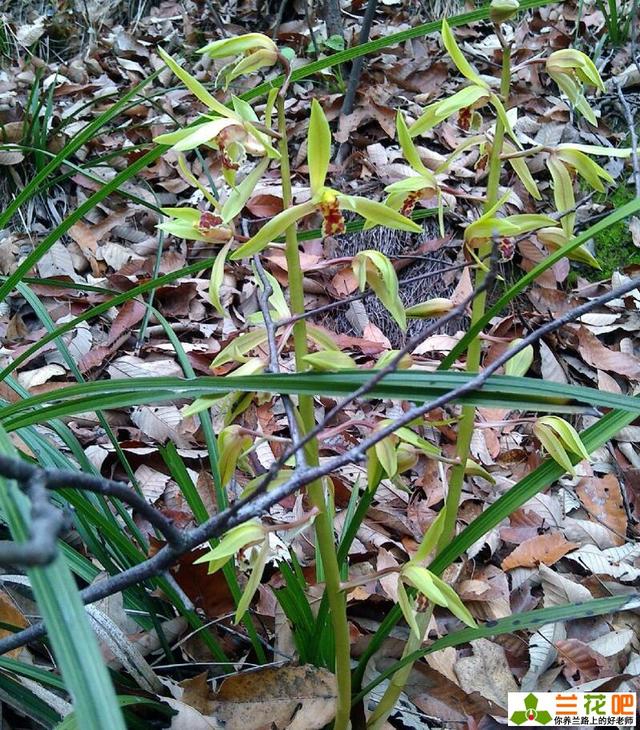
{"x": 613, "y": 248}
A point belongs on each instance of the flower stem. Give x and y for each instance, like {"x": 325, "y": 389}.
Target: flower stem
{"x": 467, "y": 420}
{"x": 399, "y": 679}
{"x": 324, "y": 519}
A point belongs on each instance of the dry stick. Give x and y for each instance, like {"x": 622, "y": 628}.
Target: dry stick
{"x": 49, "y": 518}
{"x": 354, "y": 77}
{"x": 332, "y": 18}
{"x": 314, "y": 42}
{"x": 260, "y": 501}
{"x": 273, "y": 365}
{"x": 634, "y": 137}
{"x": 634, "y": 34}
{"x": 47, "y": 521}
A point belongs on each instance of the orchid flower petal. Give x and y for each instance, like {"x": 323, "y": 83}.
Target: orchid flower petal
{"x": 408, "y": 148}
{"x": 238, "y": 45}
{"x": 272, "y": 229}
{"x": 318, "y": 147}
{"x": 195, "y": 87}
{"x": 563, "y": 194}
{"x": 378, "y": 213}
{"x": 458, "y": 57}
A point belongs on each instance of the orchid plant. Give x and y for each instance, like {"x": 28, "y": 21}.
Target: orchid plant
{"x": 248, "y": 148}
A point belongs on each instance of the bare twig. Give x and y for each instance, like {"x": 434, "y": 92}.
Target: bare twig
{"x": 48, "y": 520}
{"x": 628, "y": 114}
{"x": 356, "y": 71}
{"x": 332, "y": 18}
{"x": 273, "y": 367}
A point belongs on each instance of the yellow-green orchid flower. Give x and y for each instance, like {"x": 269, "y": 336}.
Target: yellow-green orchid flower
{"x": 511, "y": 225}
{"x": 488, "y": 225}
{"x": 576, "y": 159}
{"x": 254, "y": 49}
{"x": 233, "y": 131}
{"x": 564, "y": 162}
{"x": 216, "y": 226}
{"x": 502, "y": 10}
{"x": 572, "y": 69}
{"x": 554, "y": 238}
{"x": 330, "y": 203}
{"x": 404, "y": 194}
{"x": 463, "y": 102}
{"x": 196, "y": 225}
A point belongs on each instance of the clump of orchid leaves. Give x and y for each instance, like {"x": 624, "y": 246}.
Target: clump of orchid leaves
{"x": 249, "y": 145}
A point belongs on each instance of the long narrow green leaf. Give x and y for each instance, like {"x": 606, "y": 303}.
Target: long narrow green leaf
{"x": 85, "y": 170}
{"x": 143, "y": 288}
{"x": 74, "y": 645}
{"x": 508, "y": 625}
{"x": 23, "y": 700}
{"x": 176, "y": 464}
{"x": 71, "y": 722}
{"x": 85, "y": 134}
{"x": 45, "y": 318}
{"x": 516, "y": 393}
{"x": 31, "y": 671}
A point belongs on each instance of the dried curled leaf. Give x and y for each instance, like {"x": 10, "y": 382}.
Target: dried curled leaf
{"x": 547, "y": 549}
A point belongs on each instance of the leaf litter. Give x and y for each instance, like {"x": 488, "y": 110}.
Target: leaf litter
{"x": 549, "y": 552}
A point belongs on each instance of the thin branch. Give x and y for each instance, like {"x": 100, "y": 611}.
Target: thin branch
{"x": 354, "y": 77}
{"x": 47, "y": 522}
{"x": 35, "y": 479}
{"x": 274, "y": 367}
{"x": 628, "y": 114}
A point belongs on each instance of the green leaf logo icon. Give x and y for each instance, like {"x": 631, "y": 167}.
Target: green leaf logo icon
{"x": 530, "y": 713}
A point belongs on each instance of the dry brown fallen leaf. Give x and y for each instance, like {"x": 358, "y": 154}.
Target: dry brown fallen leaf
{"x": 602, "y": 358}
{"x": 487, "y": 672}
{"x": 296, "y": 698}
{"x": 580, "y": 662}
{"x": 546, "y": 549}
{"x": 11, "y": 615}
{"x": 602, "y": 499}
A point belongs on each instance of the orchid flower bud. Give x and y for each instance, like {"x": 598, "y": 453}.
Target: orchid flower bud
{"x": 502, "y": 10}
{"x": 239, "y": 45}
{"x": 252, "y": 51}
